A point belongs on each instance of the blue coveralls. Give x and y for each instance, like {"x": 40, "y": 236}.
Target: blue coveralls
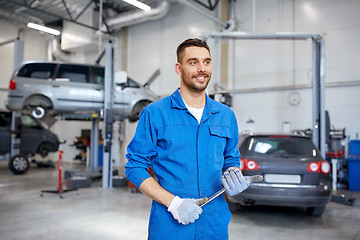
{"x": 188, "y": 160}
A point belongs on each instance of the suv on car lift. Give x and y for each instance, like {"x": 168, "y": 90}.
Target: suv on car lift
{"x": 34, "y": 139}
{"x": 50, "y": 88}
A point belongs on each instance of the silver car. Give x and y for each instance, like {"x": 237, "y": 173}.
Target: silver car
{"x": 48, "y": 88}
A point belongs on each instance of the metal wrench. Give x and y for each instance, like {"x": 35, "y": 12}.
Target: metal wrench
{"x": 250, "y": 179}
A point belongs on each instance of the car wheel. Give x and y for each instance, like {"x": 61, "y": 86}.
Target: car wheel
{"x": 38, "y": 105}
{"x": 19, "y": 164}
{"x": 38, "y": 112}
{"x": 44, "y": 149}
{"x": 137, "y": 110}
{"x": 315, "y": 211}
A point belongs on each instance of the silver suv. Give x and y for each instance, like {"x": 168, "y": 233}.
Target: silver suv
{"x": 48, "y": 88}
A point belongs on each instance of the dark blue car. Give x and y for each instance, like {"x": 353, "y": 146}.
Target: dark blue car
{"x": 294, "y": 173}
{"x": 34, "y": 139}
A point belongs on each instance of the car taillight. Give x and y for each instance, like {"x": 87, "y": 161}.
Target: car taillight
{"x": 247, "y": 164}
{"x": 12, "y": 85}
{"x": 323, "y": 166}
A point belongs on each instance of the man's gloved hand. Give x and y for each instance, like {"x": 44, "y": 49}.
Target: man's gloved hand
{"x": 184, "y": 210}
{"x": 234, "y": 182}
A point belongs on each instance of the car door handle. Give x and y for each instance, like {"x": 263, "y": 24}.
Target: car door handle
{"x": 56, "y": 86}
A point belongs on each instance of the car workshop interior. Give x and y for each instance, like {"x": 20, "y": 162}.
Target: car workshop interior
{"x": 76, "y": 74}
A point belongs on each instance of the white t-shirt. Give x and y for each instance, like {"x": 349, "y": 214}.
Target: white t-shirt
{"x": 196, "y": 112}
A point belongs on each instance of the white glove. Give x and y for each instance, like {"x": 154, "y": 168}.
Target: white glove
{"x": 234, "y": 183}
{"x": 185, "y": 210}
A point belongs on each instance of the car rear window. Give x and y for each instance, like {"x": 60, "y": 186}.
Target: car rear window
{"x": 37, "y": 70}
{"x": 285, "y": 146}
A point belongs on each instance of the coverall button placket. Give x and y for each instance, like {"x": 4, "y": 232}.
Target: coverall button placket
{"x": 200, "y": 168}
{"x": 197, "y": 160}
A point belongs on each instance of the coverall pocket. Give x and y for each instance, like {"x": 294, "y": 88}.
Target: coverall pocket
{"x": 218, "y": 138}
{"x": 219, "y": 131}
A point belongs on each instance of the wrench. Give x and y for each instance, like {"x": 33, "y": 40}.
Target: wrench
{"x": 250, "y": 179}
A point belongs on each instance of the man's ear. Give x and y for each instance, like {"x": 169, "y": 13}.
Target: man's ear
{"x": 178, "y": 69}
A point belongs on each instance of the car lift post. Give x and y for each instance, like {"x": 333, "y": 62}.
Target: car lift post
{"x": 15, "y": 137}
{"x": 94, "y": 145}
{"x": 108, "y": 116}
{"x": 22, "y": 161}
{"x": 318, "y": 54}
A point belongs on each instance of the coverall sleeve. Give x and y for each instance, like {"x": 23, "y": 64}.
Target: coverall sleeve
{"x": 141, "y": 150}
{"x": 232, "y": 153}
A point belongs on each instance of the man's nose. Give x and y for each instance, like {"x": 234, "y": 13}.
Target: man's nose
{"x": 201, "y": 67}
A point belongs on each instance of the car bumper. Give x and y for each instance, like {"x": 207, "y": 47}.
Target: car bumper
{"x": 14, "y": 102}
{"x": 284, "y": 195}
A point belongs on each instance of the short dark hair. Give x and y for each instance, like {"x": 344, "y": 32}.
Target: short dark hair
{"x": 191, "y": 42}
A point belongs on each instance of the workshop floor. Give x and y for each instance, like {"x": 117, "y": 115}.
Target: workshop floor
{"x": 95, "y": 213}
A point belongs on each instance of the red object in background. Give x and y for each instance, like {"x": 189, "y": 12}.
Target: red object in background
{"x": 59, "y": 189}
{"x": 338, "y": 154}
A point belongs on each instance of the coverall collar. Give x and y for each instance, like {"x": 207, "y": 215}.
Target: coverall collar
{"x": 177, "y": 102}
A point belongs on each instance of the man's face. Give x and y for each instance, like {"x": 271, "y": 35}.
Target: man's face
{"x": 195, "y": 68}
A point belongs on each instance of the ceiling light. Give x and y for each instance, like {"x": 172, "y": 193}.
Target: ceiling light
{"x": 138, "y": 4}
{"x": 43, "y": 28}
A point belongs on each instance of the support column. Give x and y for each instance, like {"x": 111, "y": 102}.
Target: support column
{"x": 319, "y": 128}
{"x": 108, "y": 116}
{"x": 94, "y": 145}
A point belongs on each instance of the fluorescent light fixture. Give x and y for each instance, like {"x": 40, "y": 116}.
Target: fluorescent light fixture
{"x": 138, "y": 4}
{"x": 43, "y": 28}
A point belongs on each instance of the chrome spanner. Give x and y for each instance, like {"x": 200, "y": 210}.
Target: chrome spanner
{"x": 250, "y": 179}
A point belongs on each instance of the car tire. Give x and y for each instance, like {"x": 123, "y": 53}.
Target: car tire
{"x": 137, "y": 110}
{"x": 38, "y": 105}
{"x": 19, "y": 164}
{"x": 44, "y": 149}
{"x": 315, "y": 211}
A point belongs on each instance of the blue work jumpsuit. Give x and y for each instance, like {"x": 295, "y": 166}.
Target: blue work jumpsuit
{"x": 188, "y": 160}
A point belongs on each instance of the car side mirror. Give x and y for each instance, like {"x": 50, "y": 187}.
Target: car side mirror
{"x": 120, "y": 79}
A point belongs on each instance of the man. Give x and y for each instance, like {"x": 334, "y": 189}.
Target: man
{"x": 189, "y": 140}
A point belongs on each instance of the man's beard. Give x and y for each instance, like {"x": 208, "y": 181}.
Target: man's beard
{"x": 195, "y": 85}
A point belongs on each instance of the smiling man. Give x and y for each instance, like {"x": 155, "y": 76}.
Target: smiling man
{"x": 190, "y": 141}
